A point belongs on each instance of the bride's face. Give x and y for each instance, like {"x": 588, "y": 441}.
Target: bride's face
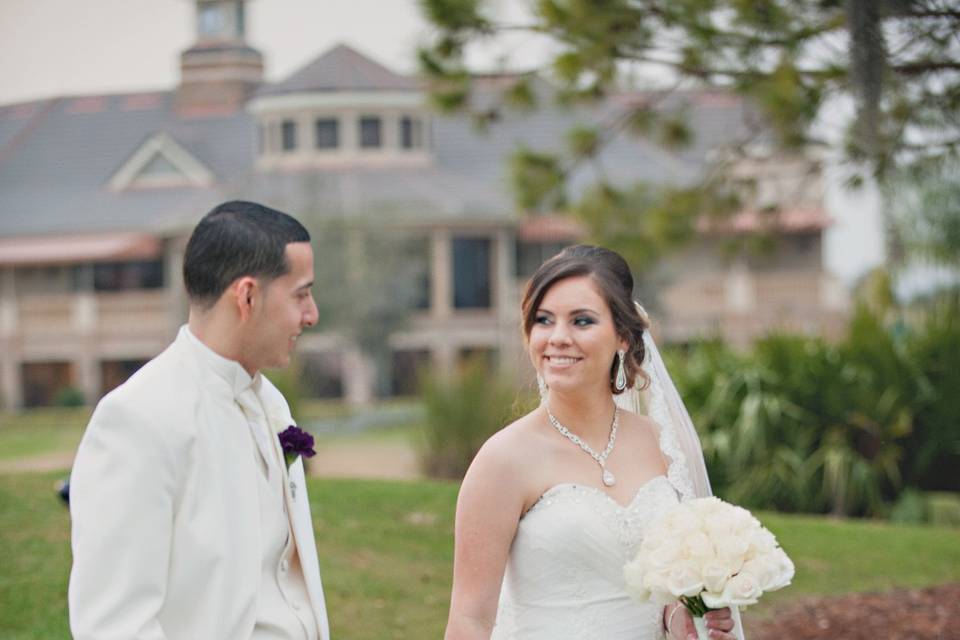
{"x": 573, "y": 340}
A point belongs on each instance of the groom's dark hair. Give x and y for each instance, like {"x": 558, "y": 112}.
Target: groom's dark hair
{"x": 237, "y": 239}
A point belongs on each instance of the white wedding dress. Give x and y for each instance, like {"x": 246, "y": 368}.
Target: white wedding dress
{"x": 564, "y": 576}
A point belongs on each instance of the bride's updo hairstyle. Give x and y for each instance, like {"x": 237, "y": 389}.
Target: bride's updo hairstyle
{"x": 612, "y": 276}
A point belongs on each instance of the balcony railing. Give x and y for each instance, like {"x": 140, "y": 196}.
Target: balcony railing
{"x": 141, "y": 313}
{"x": 45, "y": 314}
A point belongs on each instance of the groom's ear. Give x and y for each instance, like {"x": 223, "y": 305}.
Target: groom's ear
{"x": 244, "y": 292}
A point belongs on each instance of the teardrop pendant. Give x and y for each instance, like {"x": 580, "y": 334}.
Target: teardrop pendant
{"x": 608, "y": 478}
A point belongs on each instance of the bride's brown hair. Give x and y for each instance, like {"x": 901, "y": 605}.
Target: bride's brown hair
{"x": 613, "y": 278}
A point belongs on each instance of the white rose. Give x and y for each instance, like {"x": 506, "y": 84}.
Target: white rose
{"x": 764, "y": 568}
{"x": 784, "y": 572}
{"x": 666, "y": 554}
{"x": 731, "y": 548}
{"x": 715, "y": 575}
{"x": 682, "y": 521}
{"x": 741, "y": 590}
{"x": 743, "y": 518}
{"x": 698, "y": 546}
{"x": 718, "y": 525}
{"x": 685, "y": 580}
{"x": 763, "y": 541}
{"x": 655, "y": 582}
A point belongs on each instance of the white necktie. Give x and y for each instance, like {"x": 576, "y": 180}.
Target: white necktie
{"x": 253, "y": 410}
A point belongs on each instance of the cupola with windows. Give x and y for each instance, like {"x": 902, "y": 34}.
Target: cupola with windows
{"x": 342, "y": 109}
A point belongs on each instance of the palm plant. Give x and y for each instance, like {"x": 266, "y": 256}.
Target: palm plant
{"x": 802, "y": 425}
{"x": 933, "y": 452}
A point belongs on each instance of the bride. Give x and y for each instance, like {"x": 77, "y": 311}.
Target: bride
{"x": 556, "y": 503}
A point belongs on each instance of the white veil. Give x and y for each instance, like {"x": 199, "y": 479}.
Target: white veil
{"x": 686, "y": 471}
{"x": 679, "y": 441}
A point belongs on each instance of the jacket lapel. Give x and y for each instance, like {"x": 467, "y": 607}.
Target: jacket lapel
{"x": 301, "y": 525}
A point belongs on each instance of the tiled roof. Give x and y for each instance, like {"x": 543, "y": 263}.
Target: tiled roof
{"x": 341, "y": 69}
{"x": 57, "y": 158}
{"x": 56, "y": 177}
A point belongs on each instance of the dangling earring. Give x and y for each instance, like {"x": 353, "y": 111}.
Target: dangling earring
{"x": 620, "y": 383}
{"x": 542, "y": 386}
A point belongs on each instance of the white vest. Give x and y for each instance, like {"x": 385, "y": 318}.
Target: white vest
{"x": 283, "y": 606}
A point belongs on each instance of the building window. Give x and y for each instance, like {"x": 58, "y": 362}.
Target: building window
{"x": 530, "y": 255}
{"x": 411, "y": 133}
{"x": 418, "y": 269}
{"x": 42, "y": 280}
{"x": 471, "y": 273}
{"x": 113, "y": 373}
{"x": 288, "y": 135}
{"x": 128, "y": 276}
{"x": 241, "y": 20}
{"x": 222, "y": 19}
{"x": 211, "y": 20}
{"x": 48, "y": 383}
{"x": 327, "y": 133}
{"x": 370, "y": 132}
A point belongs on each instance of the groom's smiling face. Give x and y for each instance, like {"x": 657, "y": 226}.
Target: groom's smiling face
{"x": 286, "y": 307}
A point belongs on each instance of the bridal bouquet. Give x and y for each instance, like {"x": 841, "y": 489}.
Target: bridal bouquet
{"x": 708, "y": 554}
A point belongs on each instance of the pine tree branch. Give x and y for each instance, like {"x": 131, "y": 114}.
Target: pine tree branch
{"x": 952, "y": 15}
{"x": 929, "y": 66}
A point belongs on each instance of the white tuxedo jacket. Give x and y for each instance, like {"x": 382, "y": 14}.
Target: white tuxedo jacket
{"x": 163, "y": 497}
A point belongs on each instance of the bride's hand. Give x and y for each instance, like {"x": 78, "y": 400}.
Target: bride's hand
{"x": 719, "y": 625}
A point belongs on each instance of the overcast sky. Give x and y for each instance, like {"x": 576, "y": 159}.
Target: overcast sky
{"x": 69, "y": 47}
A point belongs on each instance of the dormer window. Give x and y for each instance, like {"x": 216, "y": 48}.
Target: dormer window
{"x": 411, "y": 133}
{"x": 221, "y": 19}
{"x": 327, "y": 133}
{"x": 288, "y": 135}
{"x": 161, "y": 162}
{"x": 370, "y": 130}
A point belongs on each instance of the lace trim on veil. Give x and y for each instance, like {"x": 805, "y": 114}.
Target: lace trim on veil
{"x": 678, "y": 472}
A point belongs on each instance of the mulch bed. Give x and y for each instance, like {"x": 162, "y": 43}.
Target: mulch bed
{"x": 918, "y": 614}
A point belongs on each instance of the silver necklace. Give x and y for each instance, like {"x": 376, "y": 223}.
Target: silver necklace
{"x": 607, "y": 476}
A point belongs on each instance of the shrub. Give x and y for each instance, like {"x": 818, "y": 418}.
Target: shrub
{"x": 69, "y": 397}
{"x": 799, "y": 424}
{"x": 462, "y": 411}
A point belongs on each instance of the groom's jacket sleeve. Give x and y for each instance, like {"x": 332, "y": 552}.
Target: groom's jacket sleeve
{"x": 123, "y": 489}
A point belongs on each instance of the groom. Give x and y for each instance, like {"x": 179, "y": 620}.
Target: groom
{"x": 187, "y": 523}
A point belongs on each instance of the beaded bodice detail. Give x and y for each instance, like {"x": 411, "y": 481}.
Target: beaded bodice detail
{"x": 564, "y": 576}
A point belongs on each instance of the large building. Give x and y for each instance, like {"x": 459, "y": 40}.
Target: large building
{"x": 98, "y": 194}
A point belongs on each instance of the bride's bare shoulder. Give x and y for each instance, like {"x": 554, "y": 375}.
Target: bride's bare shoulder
{"x": 639, "y": 422}
{"x": 511, "y": 445}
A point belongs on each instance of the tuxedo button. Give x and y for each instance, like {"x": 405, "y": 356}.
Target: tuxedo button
{"x": 296, "y": 606}
{"x": 284, "y": 565}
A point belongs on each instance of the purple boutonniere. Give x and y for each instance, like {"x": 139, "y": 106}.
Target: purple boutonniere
{"x": 296, "y": 442}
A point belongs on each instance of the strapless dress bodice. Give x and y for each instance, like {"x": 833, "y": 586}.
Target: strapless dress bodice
{"x": 564, "y": 575}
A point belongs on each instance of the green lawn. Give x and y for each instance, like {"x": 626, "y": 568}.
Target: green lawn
{"x": 386, "y": 550}
{"x": 41, "y": 431}
{"x": 53, "y": 431}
